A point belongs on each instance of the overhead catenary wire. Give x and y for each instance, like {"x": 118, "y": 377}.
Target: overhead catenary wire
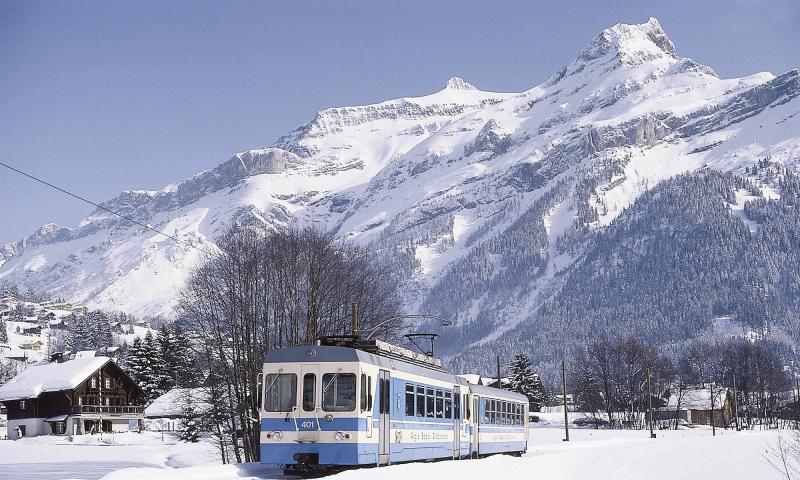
{"x": 97, "y": 205}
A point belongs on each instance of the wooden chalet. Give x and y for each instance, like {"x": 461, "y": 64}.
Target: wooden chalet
{"x": 84, "y": 395}
{"x": 693, "y": 406}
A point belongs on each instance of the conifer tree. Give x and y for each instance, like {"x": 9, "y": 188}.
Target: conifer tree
{"x": 185, "y": 360}
{"x": 151, "y": 381}
{"x": 190, "y": 420}
{"x": 525, "y": 381}
{"x": 3, "y": 332}
{"x": 98, "y": 324}
{"x": 79, "y": 338}
{"x": 168, "y": 367}
{"x": 135, "y": 360}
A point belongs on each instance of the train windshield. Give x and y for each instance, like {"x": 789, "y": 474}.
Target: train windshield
{"x": 281, "y": 392}
{"x": 339, "y": 392}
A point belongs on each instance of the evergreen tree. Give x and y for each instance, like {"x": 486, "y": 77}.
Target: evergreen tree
{"x": 168, "y": 369}
{"x": 135, "y": 360}
{"x": 79, "y": 337}
{"x": 100, "y": 329}
{"x": 190, "y": 420}
{"x": 185, "y": 360}
{"x": 3, "y": 332}
{"x": 151, "y": 377}
{"x": 525, "y": 381}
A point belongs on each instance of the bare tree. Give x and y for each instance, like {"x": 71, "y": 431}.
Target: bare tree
{"x": 270, "y": 289}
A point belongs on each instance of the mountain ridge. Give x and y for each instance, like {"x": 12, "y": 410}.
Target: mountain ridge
{"x": 488, "y": 198}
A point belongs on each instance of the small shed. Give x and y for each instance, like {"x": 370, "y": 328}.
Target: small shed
{"x": 694, "y": 406}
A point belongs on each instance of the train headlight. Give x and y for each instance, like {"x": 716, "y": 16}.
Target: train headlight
{"x": 341, "y": 436}
{"x": 276, "y": 436}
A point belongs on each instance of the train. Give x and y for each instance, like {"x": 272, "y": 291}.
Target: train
{"x": 348, "y": 402}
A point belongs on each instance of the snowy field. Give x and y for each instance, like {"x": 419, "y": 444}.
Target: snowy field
{"x": 597, "y": 454}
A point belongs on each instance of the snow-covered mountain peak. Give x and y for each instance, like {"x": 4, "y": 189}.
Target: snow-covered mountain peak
{"x": 632, "y": 44}
{"x": 498, "y": 187}
{"x": 458, "y": 83}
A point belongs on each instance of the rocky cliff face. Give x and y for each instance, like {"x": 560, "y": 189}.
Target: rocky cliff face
{"x": 490, "y": 197}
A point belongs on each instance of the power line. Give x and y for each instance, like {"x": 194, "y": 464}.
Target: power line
{"x": 83, "y": 199}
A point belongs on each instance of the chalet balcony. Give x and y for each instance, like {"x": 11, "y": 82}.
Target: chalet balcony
{"x": 107, "y": 410}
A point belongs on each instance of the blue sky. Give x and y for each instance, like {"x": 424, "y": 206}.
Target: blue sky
{"x": 102, "y": 96}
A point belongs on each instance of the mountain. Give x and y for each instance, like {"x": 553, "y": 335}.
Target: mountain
{"x": 501, "y": 204}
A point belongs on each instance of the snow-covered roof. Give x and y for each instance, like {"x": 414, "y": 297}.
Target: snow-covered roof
{"x": 698, "y": 399}
{"x": 472, "y": 378}
{"x": 174, "y": 401}
{"x": 50, "y": 377}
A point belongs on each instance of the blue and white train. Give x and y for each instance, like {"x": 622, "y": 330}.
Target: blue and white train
{"x": 368, "y": 403}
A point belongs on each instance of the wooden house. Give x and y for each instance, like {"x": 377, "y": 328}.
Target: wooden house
{"x": 693, "y": 406}
{"x": 84, "y": 395}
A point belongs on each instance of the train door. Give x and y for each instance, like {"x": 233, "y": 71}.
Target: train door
{"x": 457, "y": 423}
{"x": 476, "y": 419}
{"x": 384, "y": 425}
{"x": 308, "y": 423}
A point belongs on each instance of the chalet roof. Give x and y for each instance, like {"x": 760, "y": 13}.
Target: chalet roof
{"x": 698, "y": 399}
{"x": 472, "y": 378}
{"x": 50, "y": 377}
{"x": 174, "y": 401}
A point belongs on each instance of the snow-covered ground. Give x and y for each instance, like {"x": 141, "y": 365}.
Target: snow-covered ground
{"x": 599, "y": 454}
{"x": 90, "y": 457}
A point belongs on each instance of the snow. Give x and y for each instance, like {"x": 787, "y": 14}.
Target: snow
{"x": 601, "y": 454}
{"x": 698, "y": 399}
{"x": 50, "y": 377}
{"x": 61, "y": 458}
{"x": 387, "y": 172}
{"x": 590, "y": 453}
{"x": 743, "y": 196}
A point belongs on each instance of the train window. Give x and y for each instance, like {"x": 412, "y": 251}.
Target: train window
{"x": 369, "y": 392}
{"x": 339, "y": 392}
{"x": 429, "y": 403}
{"x": 456, "y": 406}
{"x": 281, "y": 392}
{"x": 409, "y": 400}
{"x": 439, "y": 404}
{"x": 506, "y": 415}
{"x": 420, "y": 401}
{"x": 492, "y": 405}
{"x": 501, "y": 412}
{"x": 448, "y": 404}
{"x": 363, "y": 396}
{"x": 309, "y": 391}
{"x": 519, "y": 414}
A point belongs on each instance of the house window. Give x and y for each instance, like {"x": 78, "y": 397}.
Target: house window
{"x": 94, "y": 382}
{"x": 61, "y": 428}
{"x": 106, "y": 382}
{"x": 22, "y": 404}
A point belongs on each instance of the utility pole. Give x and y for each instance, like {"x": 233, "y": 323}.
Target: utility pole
{"x": 650, "y": 403}
{"x": 713, "y": 428}
{"x": 499, "y": 382}
{"x": 355, "y": 319}
{"x": 735, "y": 402}
{"x": 566, "y": 417}
{"x": 797, "y": 384}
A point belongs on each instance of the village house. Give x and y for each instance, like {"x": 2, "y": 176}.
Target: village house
{"x": 84, "y": 395}
{"x": 34, "y": 346}
{"x": 165, "y": 412}
{"x": 693, "y": 406}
